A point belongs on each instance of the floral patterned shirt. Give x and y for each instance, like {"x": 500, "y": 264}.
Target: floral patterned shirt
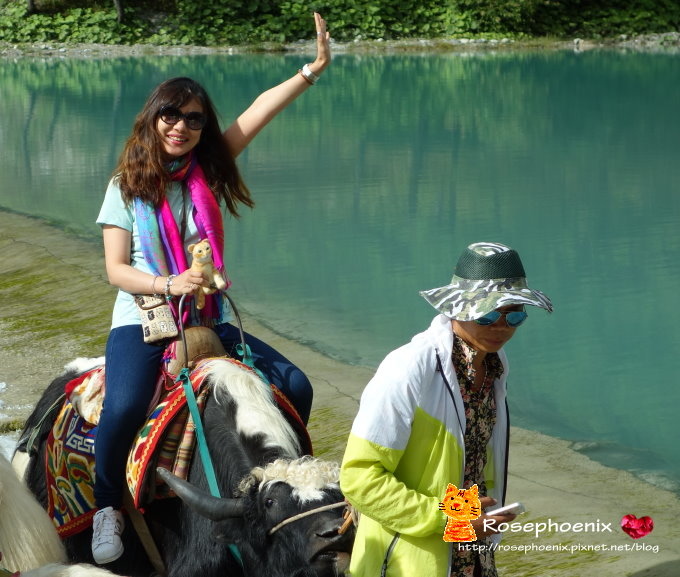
{"x": 480, "y": 415}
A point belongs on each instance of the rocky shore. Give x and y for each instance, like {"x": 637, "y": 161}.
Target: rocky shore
{"x": 668, "y": 42}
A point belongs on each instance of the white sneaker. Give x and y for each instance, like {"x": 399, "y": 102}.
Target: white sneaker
{"x": 107, "y": 527}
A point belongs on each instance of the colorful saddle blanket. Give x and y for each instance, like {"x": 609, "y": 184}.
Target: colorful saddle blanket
{"x": 167, "y": 440}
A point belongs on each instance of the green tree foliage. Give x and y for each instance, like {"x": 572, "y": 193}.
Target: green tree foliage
{"x": 229, "y": 22}
{"x": 591, "y": 18}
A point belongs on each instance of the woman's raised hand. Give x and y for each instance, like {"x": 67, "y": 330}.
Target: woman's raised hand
{"x": 268, "y": 104}
{"x": 323, "y": 45}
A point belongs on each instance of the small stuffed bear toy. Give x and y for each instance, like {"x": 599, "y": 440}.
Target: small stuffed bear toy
{"x": 203, "y": 262}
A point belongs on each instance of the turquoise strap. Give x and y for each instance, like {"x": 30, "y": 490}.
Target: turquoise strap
{"x": 184, "y": 378}
{"x": 247, "y": 357}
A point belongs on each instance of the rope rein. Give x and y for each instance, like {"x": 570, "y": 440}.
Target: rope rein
{"x": 306, "y": 514}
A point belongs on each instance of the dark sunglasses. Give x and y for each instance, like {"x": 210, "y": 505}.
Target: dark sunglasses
{"x": 172, "y": 115}
{"x": 512, "y": 318}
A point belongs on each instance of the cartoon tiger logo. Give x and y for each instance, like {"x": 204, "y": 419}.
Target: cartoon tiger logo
{"x": 460, "y": 506}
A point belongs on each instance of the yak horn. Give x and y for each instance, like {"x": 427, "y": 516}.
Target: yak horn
{"x": 214, "y": 508}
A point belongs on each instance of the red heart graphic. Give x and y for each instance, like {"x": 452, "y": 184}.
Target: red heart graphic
{"x": 635, "y": 527}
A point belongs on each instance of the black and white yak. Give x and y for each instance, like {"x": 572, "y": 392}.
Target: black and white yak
{"x": 256, "y": 456}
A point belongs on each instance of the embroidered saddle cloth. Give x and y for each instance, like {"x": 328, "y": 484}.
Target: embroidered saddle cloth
{"x": 167, "y": 439}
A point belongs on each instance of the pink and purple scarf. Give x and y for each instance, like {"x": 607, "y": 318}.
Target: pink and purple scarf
{"x": 162, "y": 244}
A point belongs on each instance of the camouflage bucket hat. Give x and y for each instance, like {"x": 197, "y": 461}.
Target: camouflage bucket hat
{"x": 488, "y": 276}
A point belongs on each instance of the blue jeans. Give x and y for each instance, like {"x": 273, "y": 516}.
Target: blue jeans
{"x": 277, "y": 368}
{"x": 131, "y": 374}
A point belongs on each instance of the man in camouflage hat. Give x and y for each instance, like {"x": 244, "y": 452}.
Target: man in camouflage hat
{"x": 435, "y": 413}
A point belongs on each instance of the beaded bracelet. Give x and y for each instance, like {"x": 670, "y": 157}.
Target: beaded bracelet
{"x": 168, "y": 284}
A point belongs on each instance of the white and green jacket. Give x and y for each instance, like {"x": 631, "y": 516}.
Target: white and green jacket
{"x": 405, "y": 446}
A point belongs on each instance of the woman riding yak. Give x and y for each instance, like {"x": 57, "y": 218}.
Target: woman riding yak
{"x": 175, "y": 171}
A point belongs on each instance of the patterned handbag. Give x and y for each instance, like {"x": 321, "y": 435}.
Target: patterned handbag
{"x": 157, "y": 320}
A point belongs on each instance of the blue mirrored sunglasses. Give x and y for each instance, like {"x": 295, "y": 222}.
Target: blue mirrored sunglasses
{"x": 512, "y": 318}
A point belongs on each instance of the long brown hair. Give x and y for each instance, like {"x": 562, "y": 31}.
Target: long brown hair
{"x": 141, "y": 168}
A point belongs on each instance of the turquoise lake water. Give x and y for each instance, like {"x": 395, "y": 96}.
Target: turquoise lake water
{"x": 370, "y": 185}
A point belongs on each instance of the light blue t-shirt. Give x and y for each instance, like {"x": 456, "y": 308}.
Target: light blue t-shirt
{"x": 115, "y": 212}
